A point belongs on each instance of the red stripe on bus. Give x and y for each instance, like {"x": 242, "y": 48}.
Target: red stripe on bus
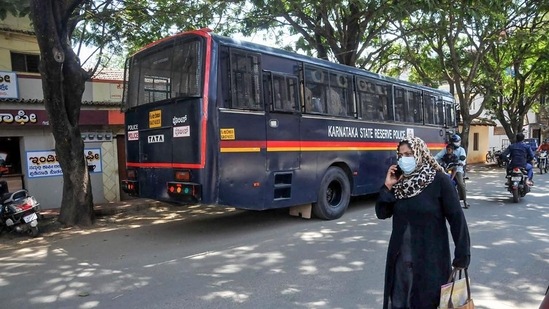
{"x": 276, "y": 144}
{"x": 242, "y": 144}
{"x": 305, "y": 144}
{"x": 205, "y": 101}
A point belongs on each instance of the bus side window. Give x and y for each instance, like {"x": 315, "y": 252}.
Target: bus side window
{"x": 429, "y": 107}
{"x": 440, "y": 113}
{"x": 284, "y": 92}
{"x": 340, "y": 103}
{"x": 315, "y": 90}
{"x": 245, "y": 80}
{"x": 335, "y": 107}
{"x": 385, "y": 96}
{"x": 372, "y": 105}
{"x": 450, "y": 114}
{"x": 417, "y": 107}
{"x": 400, "y": 100}
{"x": 291, "y": 102}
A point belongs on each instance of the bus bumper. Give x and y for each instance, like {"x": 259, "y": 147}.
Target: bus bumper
{"x": 184, "y": 191}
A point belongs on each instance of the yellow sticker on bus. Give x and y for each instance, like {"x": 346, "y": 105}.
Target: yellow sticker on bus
{"x": 155, "y": 119}
{"x": 227, "y": 134}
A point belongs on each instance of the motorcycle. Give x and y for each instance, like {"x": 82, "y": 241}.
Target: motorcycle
{"x": 542, "y": 161}
{"x": 500, "y": 161}
{"x": 517, "y": 183}
{"x": 450, "y": 170}
{"x": 19, "y": 211}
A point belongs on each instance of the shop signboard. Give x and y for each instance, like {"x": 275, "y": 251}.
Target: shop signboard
{"x": 33, "y": 117}
{"x": 8, "y": 85}
{"x": 43, "y": 163}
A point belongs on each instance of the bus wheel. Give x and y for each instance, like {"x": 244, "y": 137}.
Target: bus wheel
{"x": 333, "y": 195}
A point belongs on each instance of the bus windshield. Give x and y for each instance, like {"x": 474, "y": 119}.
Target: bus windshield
{"x": 168, "y": 71}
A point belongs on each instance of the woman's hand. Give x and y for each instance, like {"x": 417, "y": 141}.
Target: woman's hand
{"x": 392, "y": 177}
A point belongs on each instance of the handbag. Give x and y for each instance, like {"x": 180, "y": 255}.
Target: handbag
{"x": 456, "y": 294}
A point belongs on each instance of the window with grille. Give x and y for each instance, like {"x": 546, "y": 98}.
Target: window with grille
{"x": 25, "y": 62}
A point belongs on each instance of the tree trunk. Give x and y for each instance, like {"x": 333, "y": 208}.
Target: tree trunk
{"x": 465, "y": 133}
{"x": 63, "y": 82}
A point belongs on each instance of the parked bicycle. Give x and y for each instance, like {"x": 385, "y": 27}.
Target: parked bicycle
{"x": 491, "y": 156}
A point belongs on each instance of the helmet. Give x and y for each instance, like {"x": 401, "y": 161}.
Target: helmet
{"x": 455, "y": 138}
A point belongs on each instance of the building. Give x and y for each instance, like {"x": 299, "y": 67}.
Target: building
{"x": 26, "y": 142}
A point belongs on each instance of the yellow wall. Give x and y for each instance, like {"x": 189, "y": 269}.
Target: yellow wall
{"x": 478, "y": 156}
{"x": 31, "y": 88}
{"x": 15, "y": 41}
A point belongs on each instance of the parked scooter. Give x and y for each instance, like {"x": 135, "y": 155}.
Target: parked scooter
{"x": 18, "y": 211}
{"x": 517, "y": 183}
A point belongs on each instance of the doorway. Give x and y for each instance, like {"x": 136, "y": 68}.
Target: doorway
{"x": 10, "y": 162}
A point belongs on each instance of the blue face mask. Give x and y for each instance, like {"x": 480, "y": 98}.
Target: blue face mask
{"x": 407, "y": 164}
{"x": 457, "y": 144}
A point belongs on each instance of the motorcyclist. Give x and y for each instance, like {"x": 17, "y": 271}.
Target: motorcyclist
{"x": 460, "y": 171}
{"x": 521, "y": 155}
{"x": 544, "y": 146}
{"x": 450, "y": 158}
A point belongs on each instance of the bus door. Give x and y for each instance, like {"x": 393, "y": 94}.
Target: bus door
{"x": 283, "y": 122}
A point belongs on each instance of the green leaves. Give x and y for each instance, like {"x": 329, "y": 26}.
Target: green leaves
{"x": 18, "y": 8}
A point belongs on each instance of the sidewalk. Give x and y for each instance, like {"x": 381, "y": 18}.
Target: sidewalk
{"x": 111, "y": 208}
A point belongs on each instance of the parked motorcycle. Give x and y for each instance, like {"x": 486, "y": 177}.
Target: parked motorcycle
{"x": 517, "y": 183}
{"x": 18, "y": 211}
{"x": 499, "y": 159}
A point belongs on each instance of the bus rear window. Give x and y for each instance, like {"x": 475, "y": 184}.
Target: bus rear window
{"x": 165, "y": 72}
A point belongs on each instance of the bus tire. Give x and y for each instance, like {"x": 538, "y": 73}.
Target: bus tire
{"x": 334, "y": 194}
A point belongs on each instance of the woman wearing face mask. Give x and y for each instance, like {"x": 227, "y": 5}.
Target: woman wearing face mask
{"x": 420, "y": 199}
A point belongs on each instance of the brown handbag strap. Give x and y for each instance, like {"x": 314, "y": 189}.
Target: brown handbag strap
{"x": 468, "y": 286}
{"x": 453, "y": 280}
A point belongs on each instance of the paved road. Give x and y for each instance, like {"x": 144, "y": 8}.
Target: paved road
{"x": 220, "y": 258}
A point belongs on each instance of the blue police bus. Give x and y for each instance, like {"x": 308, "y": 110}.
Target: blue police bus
{"x": 216, "y": 120}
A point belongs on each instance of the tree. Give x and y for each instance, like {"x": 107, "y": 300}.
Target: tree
{"x": 446, "y": 44}
{"x": 517, "y": 68}
{"x": 349, "y": 32}
{"x": 108, "y": 24}
{"x": 63, "y": 83}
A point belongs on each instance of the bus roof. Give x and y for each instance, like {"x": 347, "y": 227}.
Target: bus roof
{"x": 299, "y": 57}
{"x": 318, "y": 62}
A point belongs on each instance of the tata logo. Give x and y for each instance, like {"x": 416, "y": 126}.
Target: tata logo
{"x": 178, "y": 120}
{"x": 156, "y": 138}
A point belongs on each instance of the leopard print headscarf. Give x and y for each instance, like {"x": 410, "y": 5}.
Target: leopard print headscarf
{"x": 412, "y": 184}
